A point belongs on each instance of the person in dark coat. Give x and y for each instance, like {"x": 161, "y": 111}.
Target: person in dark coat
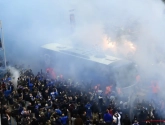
{"x": 78, "y": 121}
{"x": 34, "y": 121}
{"x": 126, "y": 120}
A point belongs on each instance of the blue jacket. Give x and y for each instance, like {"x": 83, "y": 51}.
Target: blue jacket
{"x": 20, "y": 109}
{"x": 64, "y": 120}
{"x": 50, "y": 83}
{"x": 58, "y": 111}
{"x": 7, "y": 92}
{"x": 108, "y": 117}
{"x": 53, "y": 94}
{"x": 30, "y": 86}
{"x": 48, "y": 115}
{"x": 8, "y": 79}
{"x": 88, "y": 106}
{"x": 88, "y": 110}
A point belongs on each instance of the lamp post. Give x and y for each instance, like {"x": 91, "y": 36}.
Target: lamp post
{"x": 2, "y": 43}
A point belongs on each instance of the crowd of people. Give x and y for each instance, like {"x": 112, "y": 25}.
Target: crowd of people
{"x": 42, "y": 100}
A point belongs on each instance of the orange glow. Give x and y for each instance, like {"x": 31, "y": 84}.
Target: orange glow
{"x": 130, "y": 45}
{"x": 108, "y": 44}
{"x": 122, "y": 47}
{"x": 111, "y": 45}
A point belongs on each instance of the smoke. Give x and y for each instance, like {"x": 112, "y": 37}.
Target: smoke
{"x": 15, "y": 74}
{"x": 130, "y": 29}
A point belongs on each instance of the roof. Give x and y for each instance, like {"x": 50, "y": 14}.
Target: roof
{"x": 91, "y": 55}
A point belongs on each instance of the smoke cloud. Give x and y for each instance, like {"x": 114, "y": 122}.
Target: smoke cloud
{"x": 130, "y": 29}
{"x": 15, "y": 74}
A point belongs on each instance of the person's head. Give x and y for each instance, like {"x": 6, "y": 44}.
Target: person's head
{"x": 5, "y": 106}
{"x": 101, "y": 120}
{"x": 135, "y": 121}
{"x": 54, "y": 119}
{"x": 34, "y": 118}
